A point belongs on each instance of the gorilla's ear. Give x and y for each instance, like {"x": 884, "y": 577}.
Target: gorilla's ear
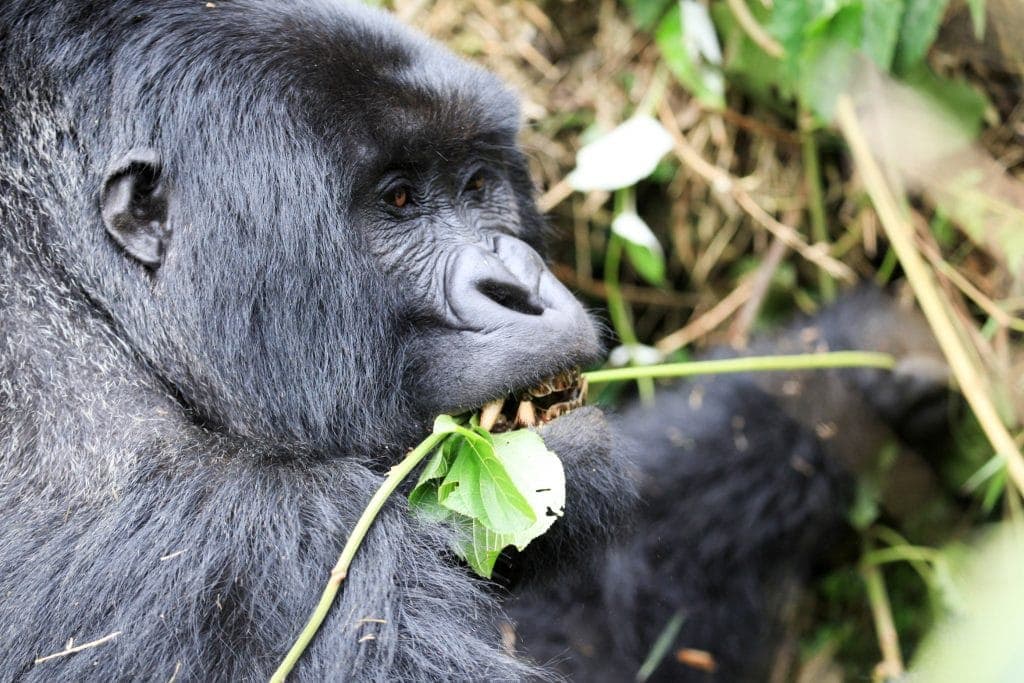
{"x": 133, "y": 203}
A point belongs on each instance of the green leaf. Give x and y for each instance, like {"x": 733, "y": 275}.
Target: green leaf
{"x": 865, "y": 510}
{"x": 691, "y": 51}
{"x": 445, "y": 424}
{"x": 957, "y": 98}
{"x": 423, "y": 502}
{"x": 646, "y": 13}
{"x": 423, "y": 499}
{"x": 439, "y": 464}
{"x": 985, "y": 578}
{"x": 920, "y": 26}
{"x": 499, "y": 490}
{"x": 482, "y": 547}
{"x": 425, "y": 491}
{"x": 747, "y": 66}
{"x": 642, "y": 247}
{"x": 977, "y": 8}
{"x": 827, "y": 59}
{"x": 538, "y": 474}
{"x": 788, "y": 20}
{"x": 478, "y": 486}
{"x": 881, "y": 30}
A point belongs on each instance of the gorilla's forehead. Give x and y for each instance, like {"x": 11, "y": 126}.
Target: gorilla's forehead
{"x": 368, "y": 78}
{"x": 350, "y": 74}
{"x": 356, "y": 74}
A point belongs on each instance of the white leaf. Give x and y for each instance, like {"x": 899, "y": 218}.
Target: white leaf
{"x": 629, "y": 226}
{"x": 699, "y": 34}
{"x": 622, "y": 157}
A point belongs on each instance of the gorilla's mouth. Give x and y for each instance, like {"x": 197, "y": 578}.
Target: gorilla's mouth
{"x": 539, "y": 404}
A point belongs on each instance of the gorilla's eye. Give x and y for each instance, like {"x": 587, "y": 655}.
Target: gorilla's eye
{"x": 477, "y": 182}
{"x": 397, "y": 198}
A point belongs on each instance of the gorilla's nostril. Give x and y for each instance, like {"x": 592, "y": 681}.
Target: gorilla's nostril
{"x": 510, "y": 295}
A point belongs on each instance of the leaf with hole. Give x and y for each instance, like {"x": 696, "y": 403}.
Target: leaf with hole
{"x": 538, "y": 474}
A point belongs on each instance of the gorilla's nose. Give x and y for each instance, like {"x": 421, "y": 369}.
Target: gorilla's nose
{"x": 510, "y": 288}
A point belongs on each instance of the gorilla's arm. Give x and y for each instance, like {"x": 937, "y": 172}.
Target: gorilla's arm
{"x": 600, "y": 500}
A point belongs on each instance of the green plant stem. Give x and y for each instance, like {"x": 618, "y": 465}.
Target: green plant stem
{"x": 616, "y": 304}
{"x": 815, "y": 199}
{"x": 395, "y": 477}
{"x": 810, "y": 361}
{"x": 617, "y": 309}
{"x": 881, "y": 611}
{"x": 661, "y": 646}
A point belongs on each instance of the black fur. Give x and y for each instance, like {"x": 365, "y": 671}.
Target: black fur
{"x": 186, "y": 441}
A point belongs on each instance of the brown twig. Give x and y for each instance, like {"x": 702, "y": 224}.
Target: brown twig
{"x": 554, "y": 196}
{"x": 901, "y": 237}
{"x": 722, "y": 181}
{"x": 885, "y": 628}
{"x": 708, "y": 321}
{"x": 1002, "y": 318}
{"x": 761, "y": 281}
{"x": 754, "y": 30}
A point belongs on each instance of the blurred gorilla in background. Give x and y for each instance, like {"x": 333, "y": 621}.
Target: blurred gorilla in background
{"x": 744, "y": 483}
{"x": 248, "y": 251}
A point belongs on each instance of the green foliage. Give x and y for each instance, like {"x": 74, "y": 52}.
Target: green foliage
{"x": 691, "y": 51}
{"x": 499, "y": 490}
{"x": 821, "y": 41}
{"x": 921, "y": 20}
{"x": 965, "y": 105}
{"x": 646, "y": 13}
{"x": 642, "y": 248}
{"x": 981, "y": 641}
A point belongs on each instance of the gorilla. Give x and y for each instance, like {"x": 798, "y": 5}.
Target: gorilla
{"x": 248, "y": 251}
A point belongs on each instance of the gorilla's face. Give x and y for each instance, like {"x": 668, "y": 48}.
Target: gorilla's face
{"x": 336, "y": 254}
{"x": 448, "y": 214}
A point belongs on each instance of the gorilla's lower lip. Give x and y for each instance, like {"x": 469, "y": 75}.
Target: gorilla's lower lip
{"x": 536, "y": 405}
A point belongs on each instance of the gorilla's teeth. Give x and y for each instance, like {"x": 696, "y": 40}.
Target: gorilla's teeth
{"x": 558, "y": 410}
{"x": 489, "y": 414}
{"x": 541, "y": 390}
{"x": 526, "y": 416}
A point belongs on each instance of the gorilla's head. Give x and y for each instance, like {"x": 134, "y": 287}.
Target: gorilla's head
{"x": 311, "y": 232}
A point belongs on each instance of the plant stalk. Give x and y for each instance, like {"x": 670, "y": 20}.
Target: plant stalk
{"x": 395, "y": 477}
{"x": 901, "y": 238}
{"x": 813, "y": 361}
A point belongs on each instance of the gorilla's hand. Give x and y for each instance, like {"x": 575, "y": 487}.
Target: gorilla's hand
{"x": 913, "y": 400}
{"x": 600, "y": 495}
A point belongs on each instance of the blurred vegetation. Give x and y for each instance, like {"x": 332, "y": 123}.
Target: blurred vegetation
{"x": 736, "y": 201}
